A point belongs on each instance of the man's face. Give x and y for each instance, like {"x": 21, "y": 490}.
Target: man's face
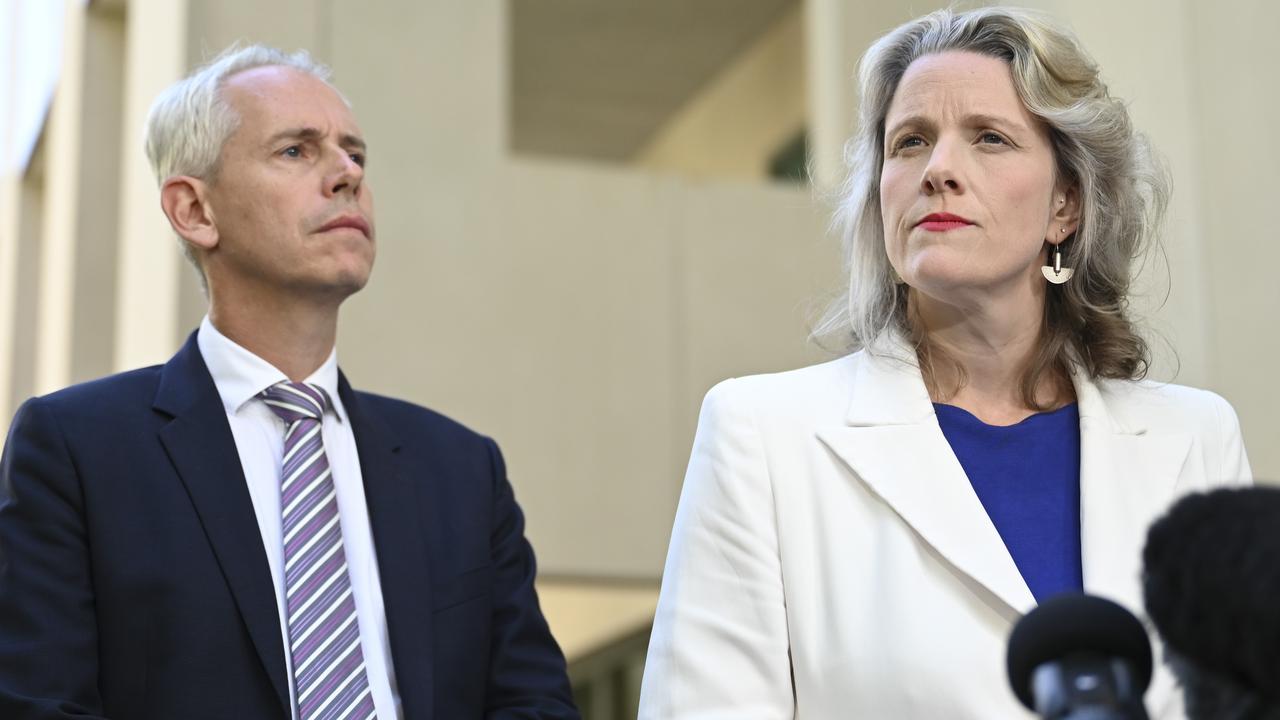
{"x": 292, "y": 210}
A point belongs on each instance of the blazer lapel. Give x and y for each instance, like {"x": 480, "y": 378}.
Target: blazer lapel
{"x": 199, "y": 443}
{"x": 396, "y": 516}
{"x": 893, "y": 444}
{"x": 1128, "y": 475}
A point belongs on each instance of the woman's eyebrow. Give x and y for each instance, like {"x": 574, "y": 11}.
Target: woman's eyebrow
{"x": 916, "y": 121}
{"x": 973, "y": 120}
{"x": 985, "y": 120}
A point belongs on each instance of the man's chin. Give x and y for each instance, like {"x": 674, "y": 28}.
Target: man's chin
{"x": 348, "y": 285}
{"x": 334, "y": 289}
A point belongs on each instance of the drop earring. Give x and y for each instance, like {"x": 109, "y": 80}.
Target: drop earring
{"x": 1057, "y": 274}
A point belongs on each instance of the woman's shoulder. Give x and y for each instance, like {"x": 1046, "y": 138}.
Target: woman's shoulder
{"x": 805, "y": 391}
{"x": 1157, "y": 405}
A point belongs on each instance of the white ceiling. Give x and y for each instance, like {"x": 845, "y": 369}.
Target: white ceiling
{"x": 596, "y": 78}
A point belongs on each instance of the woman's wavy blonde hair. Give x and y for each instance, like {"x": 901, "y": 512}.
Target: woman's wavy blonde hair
{"x": 1123, "y": 192}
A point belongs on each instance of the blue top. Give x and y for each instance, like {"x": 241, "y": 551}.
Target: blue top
{"x": 1028, "y": 478}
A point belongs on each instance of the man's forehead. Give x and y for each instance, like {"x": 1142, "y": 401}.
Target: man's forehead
{"x": 287, "y": 96}
{"x": 270, "y": 79}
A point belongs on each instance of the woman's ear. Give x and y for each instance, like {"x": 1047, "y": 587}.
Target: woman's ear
{"x": 184, "y": 201}
{"x": 1064, "y": 217}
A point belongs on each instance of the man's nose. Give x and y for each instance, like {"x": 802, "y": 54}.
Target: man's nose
{"x": 347, "y": 174}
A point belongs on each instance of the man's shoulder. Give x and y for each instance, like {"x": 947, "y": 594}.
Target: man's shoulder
{"x": 405, "y": 415}
{"x": 113, "y": 393}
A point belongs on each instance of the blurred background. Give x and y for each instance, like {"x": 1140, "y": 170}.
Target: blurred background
{"x": 589, "y": 212}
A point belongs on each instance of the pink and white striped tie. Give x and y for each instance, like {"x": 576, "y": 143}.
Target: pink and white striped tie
{"x": 324, "y": 634}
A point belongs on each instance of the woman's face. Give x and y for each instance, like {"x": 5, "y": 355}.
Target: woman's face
{"x": 967, "y": 191}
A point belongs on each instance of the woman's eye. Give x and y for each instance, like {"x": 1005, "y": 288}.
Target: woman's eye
{"x": 909, "y": 141}
{"x": 991, "y": 138}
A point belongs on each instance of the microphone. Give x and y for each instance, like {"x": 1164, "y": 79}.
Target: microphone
{"x": 1080, "y": 657}
{"x": 1211, "y": 577}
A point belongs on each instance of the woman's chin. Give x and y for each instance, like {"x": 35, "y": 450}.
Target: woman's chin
{"x": 944, "y": 282}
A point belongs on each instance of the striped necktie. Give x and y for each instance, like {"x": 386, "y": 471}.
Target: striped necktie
{"x": 324, "y": 635}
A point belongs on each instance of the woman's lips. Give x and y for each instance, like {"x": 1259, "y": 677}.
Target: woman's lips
{"x": 942, "y": 225}
{"x": 942, "y": 222}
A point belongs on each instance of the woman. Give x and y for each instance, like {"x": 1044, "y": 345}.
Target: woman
{"x": 856, "y": 539}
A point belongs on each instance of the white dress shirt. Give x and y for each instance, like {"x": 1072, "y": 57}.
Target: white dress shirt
{"x": 259, "y": 435}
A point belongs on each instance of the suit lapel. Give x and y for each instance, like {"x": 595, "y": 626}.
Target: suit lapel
{"x": 1128, "y": 475}
{"x": 199, "y": 443}
{"x": 893, "y": 444}
{"x": 396, "y": 516}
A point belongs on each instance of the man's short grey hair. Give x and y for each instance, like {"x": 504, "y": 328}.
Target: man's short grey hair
{"x": 190, "y": 121}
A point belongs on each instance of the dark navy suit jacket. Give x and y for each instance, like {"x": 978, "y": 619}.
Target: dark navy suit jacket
{"x": 134, "y": 583}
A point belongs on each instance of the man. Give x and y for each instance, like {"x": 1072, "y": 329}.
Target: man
{"x": 237, "y": 533}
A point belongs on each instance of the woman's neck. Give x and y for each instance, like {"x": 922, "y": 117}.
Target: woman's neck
{"x": 976, "y": 358}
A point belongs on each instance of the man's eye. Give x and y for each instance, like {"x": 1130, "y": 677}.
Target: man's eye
{"x": 292, "y": 151}
{"x": 358, "y": 158}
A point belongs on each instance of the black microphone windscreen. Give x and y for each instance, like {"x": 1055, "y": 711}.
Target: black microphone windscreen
{"x": 1211, "y": 579}
{"x": 1075, "y": 624}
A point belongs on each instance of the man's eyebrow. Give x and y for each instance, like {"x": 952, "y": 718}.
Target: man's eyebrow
{"x": 307, "y": 134}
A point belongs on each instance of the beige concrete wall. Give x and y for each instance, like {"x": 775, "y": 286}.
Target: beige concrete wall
{"x": 578, "y": 314}
{"x": 1237, "y": 100}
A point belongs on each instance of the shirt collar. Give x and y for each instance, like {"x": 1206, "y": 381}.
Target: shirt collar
{"x": 240, "y": 375}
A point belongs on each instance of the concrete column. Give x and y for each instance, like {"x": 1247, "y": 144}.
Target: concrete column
{"x": 10, "y": 190}
{"x": 148, "y": 258}
{"x": 57, "y": 267}
{"x": 831, "y": 89}
{"x": 26, "y": 283}
{"x": 10, "y": 194}
{"x": 93, "y": 317}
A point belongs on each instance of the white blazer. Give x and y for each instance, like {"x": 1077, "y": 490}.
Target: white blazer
{"x": 830, "y": 559}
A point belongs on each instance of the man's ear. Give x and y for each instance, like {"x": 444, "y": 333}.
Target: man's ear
{"x": 1065, "y": 217}
{"x": 184, "y": 200}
